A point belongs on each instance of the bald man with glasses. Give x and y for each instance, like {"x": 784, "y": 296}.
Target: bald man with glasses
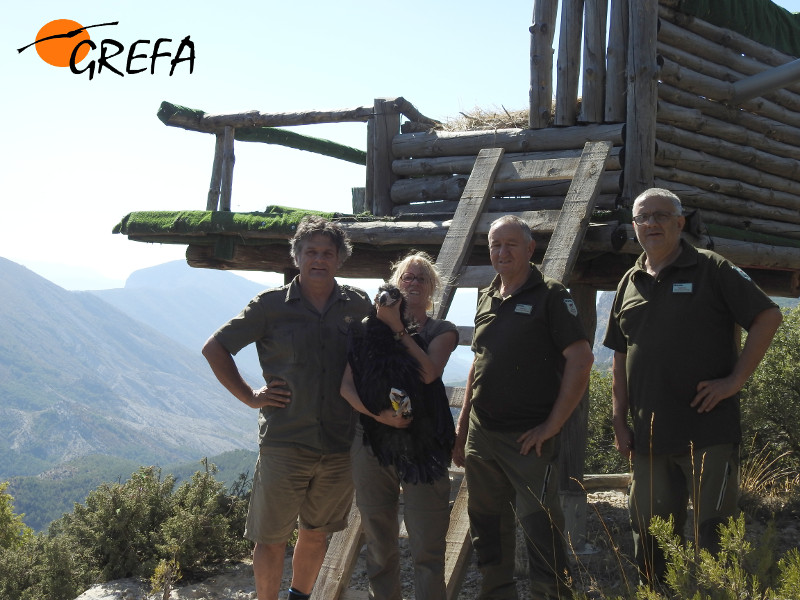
{"x": 677, "y": 374}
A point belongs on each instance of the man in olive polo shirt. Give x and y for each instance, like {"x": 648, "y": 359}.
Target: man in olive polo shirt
{"x": 531, "y": 367}
{"x": 677, "y": 371}
{"x": 305, "y": 427}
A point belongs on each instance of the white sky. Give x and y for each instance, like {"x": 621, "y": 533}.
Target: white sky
{"x": 78, "y": 155}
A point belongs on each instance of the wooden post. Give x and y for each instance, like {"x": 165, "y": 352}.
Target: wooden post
{"x": 340, "y": 559}
{"x": 574, "y": 436}
{"x": 386, "y": 126}
{"x": 615, "y": 62}
{"x": 541, "y": 88}
{"x": 642, "y": 98}
{"x": 369, "y": 192}
{"x": 359, "y": 200}
{"x": 569, "y": 62}
{"x": 216, "y": 173}
{"x": 594, "y": 61}
{"x": 228, "y": 160}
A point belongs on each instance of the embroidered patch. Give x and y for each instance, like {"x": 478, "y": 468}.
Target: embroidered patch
{"x": 742, "y": 273}
{"x": 570, "y": 304}
{"x": 523, "y": 309}
{"x": 682, "y": 288}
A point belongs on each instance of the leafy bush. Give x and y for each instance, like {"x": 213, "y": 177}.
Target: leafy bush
{"x": 120, "y": 524}
{"x": 738, "y": 572}
{"x": 137, "y": 528}
{"x": 771, "y": 398}
{"x": 205, "y": 525}
{"x": 601, "y": 454}
{"x": 13, "y": 532}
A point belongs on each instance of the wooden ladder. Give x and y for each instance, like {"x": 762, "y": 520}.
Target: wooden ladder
{"x": 470, "y": 219}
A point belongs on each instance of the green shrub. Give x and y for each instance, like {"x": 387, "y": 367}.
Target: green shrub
{"x": 137, "y": 528}
{"x": 601, "y": 454}
{"x": 771, "y": 398}
{"x": 205, "y": 524}
{"x": 43, "y": 567}
{"x": 739, "y": 571}
{"x": 13, "y": 532}
{"x": 119, "y": 524}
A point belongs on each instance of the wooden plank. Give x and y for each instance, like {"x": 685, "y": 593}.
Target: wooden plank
{"x": 228, "y": 160}
{"x": 452, "y": 257}
{"x": 565, "y": 243}
{"x": 459, "y": 544}
{"x": 455, "y": 396}
{"x": 445, "y": 165}
{"x": 340, "y": 560}
{"x": 212, "y": 202}
{"x": 451, "y": 187}
{"x": 562, "y": 251}
{"x": 458, "y": 241}
{"x": 547, "y": 169}
{"x": 454, "y": 143}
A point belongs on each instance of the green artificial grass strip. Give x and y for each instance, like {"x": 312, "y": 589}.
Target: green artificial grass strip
{"x": 275, "y": 219}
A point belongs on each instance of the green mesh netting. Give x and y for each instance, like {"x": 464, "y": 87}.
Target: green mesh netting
{"x": 759, "y": 20}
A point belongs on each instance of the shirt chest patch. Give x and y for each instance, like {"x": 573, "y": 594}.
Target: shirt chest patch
{"x": 682, "y": 288}
{"x": 523, "y": 309}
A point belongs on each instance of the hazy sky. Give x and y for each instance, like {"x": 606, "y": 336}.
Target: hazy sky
{"x": 79, "y": 154}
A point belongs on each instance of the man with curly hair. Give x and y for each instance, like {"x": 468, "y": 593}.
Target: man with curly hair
{"x": 305, "y": 428}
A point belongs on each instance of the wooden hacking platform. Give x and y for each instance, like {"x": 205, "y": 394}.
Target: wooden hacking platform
{"x": 560, "y": 257}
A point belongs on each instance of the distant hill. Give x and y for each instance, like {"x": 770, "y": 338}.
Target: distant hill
{"x": 602, "y": 355}
{"x": 188, "y": 304}
{"x": 46, "y": 497}
{"x": 80, "y": 377}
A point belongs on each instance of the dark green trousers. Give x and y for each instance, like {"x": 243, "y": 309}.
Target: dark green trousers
{"x": 662, "y": 486}
{"x": 506, "y": 487}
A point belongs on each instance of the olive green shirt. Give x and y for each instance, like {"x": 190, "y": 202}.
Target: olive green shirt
{"x": 518, "y": 347}
{"x": 677, "y": 330}
{"x": 308, "y": 350}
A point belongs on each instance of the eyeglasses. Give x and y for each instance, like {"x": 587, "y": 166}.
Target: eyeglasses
{"x": 659, "y": 217}
{"x": 409, "y": 277}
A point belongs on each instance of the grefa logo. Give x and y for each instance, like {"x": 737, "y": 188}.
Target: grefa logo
{"x": 67, "y": 43}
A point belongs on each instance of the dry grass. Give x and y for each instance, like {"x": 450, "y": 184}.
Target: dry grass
{"x": 479, "y": 119}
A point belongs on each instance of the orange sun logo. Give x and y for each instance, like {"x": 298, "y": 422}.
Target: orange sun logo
{"x": 56, "y": 41}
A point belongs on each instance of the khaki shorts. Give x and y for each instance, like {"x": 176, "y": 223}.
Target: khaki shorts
{"x": 293, "y": 482}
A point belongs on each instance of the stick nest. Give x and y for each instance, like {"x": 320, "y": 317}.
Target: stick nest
{"x": 479, "y": 119}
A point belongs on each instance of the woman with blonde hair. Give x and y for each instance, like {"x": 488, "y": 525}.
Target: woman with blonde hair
{"x": 426, "y": 503}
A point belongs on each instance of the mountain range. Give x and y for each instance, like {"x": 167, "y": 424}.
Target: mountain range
{"x": 78, "y": 376}
{"x": 118, "y": 372}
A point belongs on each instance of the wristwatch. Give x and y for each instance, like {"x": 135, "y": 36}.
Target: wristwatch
{"x": 398, "y": 334}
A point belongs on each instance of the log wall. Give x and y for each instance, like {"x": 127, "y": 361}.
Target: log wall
{"x": 736, "y": 165}
{"x": 735, "y": 168}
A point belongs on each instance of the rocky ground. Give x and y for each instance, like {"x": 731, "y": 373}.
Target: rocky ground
{"x": 602, "y": 568}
